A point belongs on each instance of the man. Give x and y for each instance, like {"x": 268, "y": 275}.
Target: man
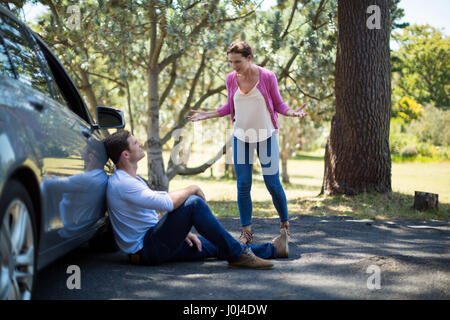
{"x": 148, "y": 240}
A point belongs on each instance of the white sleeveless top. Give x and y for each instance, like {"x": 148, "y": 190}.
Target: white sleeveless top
{"x": 252, "y": 119}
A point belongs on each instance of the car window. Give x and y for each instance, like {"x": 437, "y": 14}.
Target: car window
{"x": 54, "y": 88}
{"x": 25, "y": 63}
{"x": 5, "y": 64}
{"x": 64, "y": 83}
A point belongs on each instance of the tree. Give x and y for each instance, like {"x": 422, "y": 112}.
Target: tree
{"x": 164, "y": 58}
{"x": 181, "y": 26}
{"x": 357, "y": 157}
{"x": 422, "y": 66}
{"x": 303, "y": 43}
{"x": 170, "y": 42}
{"x": 407, "y": 109}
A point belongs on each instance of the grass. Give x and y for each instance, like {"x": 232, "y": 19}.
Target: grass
{"x": 306, "y": 176}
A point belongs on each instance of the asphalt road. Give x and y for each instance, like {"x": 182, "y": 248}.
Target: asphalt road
{"x": 330, "y": 258}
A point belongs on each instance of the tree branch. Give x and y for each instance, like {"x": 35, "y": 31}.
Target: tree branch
{"x": 285, "y": 71}
{"x": 187, "y": 105}
{"x": 170, "y": 59}
{"x": 160, "y": 42}
{"x": 306, "y": 94}
{"x": 153, "y": 31}
{"x": 107, "y": 78}
{"x": 173, "y": 77}
{"x": 286, "y": 30}
{"x": 54, "y": 11}
{"x": 193, "y": 33}
{"x": 174, "y": 170}
{"x": 236, "y": 18}
{"x": 197, "y": 105}
{"x": 192, "y": 5}
{"x": 318, "y": 12}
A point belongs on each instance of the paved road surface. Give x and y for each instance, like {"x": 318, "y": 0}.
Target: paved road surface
{"x": 330, "y": 258}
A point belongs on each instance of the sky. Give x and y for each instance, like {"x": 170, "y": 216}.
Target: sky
{"x": 433, "y": 12}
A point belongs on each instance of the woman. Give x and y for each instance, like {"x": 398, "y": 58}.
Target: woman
{"x": 253, "y": 103}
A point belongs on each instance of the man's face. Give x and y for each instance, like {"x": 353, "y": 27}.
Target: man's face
{"x": 136, "y": 152}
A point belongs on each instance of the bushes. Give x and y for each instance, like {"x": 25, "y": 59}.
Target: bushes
{"x": 433, "y": 127}
{"x": 407, "y": 109}
{"x": 409, "y": 152}
{"x": 425, "y": 138}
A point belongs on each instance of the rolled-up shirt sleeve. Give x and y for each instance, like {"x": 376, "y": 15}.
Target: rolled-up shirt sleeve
{"x": 278, "y": 104}
{"x": 226, "y": 109}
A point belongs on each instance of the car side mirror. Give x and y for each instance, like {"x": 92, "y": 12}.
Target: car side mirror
{"x": 109, "y": 118}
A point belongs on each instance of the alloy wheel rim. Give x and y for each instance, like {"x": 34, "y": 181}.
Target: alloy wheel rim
{"x": 16, "y": 252}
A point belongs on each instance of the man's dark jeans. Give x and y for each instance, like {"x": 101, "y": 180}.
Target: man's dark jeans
{"x": 165, "y": 241}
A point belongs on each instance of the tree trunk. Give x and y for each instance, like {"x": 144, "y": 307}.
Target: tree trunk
{"x": 86, "y": 88}
{"x": 425, "y": 201}
{"x": 130, "y": 112}
{"x": 357, "y": 157}
{"x": 157, "y": 178}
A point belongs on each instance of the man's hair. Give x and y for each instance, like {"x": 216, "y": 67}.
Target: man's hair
{"x": 115, "y": 144}
{"x": 95, "y": 148}
{"x": 241, "y": 47}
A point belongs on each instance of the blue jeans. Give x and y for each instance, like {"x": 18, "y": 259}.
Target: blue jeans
{"x": 268, "y": 154}
{"x": 165, "y": 241}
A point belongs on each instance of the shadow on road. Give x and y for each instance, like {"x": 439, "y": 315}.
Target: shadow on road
{"x": 329, "y": 259}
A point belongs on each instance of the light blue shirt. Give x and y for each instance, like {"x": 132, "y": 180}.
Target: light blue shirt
{"x": 131, "y": 207}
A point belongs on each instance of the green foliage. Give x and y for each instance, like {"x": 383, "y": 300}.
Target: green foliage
{"x": 427, "y": 138}
{"x": 407, "y": 109}
{"x": 409, "y": 152}
{"x": 110, "y": 55}
{"x": 433, "y": 127}
{"x": 421, "y": 66}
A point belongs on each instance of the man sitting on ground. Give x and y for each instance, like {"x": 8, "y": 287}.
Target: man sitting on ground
{"x": 150, "y": 240}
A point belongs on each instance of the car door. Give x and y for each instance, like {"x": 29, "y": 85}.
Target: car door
{"x": 62, "y": 143}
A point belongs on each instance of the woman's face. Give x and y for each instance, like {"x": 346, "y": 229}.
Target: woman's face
{"x": 238, "y": 62}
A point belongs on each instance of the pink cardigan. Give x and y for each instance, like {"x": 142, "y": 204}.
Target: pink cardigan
{"x": 268, "y": 86}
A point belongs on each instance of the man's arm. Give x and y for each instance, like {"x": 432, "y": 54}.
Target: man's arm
{"x": 179, "y": 196}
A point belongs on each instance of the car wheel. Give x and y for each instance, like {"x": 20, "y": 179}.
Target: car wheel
{"x": 18, "y": 243}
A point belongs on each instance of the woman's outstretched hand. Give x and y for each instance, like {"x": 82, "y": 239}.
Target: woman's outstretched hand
{"x": 298, "y": 113}
{"x": 198, "y": 115}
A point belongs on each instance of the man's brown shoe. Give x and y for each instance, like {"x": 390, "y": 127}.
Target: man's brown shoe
{"x": 282, "y": 244}
{"x": 250, "y": 261}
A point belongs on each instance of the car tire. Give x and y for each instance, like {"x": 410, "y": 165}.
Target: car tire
{"x": 18, "y": 243}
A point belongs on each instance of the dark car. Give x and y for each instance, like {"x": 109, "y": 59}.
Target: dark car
{"x": 53, "y": 165}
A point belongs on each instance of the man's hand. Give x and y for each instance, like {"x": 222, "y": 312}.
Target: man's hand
{"x": 179, "y": 196}
{"x": 192, "y": 240}
{"x": 198, "y": 192}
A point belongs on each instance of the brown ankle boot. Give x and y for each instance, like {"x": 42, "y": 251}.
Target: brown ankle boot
{"x": 248, "y": 260}
{"x": 246, "y": 237}
{"x": 286, "y": 225}
{"x": 282, "y": 244}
